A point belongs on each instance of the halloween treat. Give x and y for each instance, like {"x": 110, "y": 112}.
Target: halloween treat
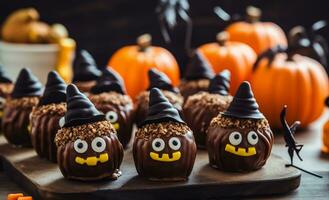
{"x": 258, "y": 35}
{"x": 199, "y": 109}
{"x": 164, "y": 147}
{"x": 325, "y": 134}
{"x": 85, "y": 71}
{"x": 87, "y": 145}
{"x": 237, "y": 57}
{"x": 25, "y": 95}
{"x": 161, "y": 81}
{"x": 6, "y": 86}
{"x": 240, "y": 138}
{"x": 45, "y": 117}
{"x": 109, "y": 97}
{"x": 197, "y": 75}
{"x": 133, "y": 62}
{"x": 278, "y": 79}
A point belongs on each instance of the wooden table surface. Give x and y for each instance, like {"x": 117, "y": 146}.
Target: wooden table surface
{"x": 310, "y": 188}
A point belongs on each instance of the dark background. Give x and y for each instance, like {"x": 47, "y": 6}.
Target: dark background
{"x": 103, "y": 26}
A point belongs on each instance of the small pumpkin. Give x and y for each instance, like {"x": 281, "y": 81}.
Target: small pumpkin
{"x": 258, "y": 35}
{"x": 325, "y": 135}
{"x": 282, "y": 77}
{"x": 133, "y": 63}
{"x": 237, "y": 57}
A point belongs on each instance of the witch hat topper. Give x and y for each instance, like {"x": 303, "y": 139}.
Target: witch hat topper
{"x": 80, "y": 110}
{"x": 160, "y": 109}
{"x": 160, "y": 80}
{"x": 84, "y": 67}
{"x": 220, "y": 84}
{"x": 198, "y": 68}
{"x": 3, "y": 77}
{"x": 55, "y": 91}
{"x": 108, "y": 82}
{"x": 244, "y": 105}
{"x": 27, "y": 85}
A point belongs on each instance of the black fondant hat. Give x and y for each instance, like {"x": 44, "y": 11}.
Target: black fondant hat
{"x": 160, "y": 109}
{"x": 27, "y": 85}
{"x": 84, "y": 67}
{"x": 220, "y": 84}
{"x": 244, "y": 105}
{"x": 198, "y": 68}
{"x": 160, "y": 80}
{"x": 3, "y": 77}
{"x": 80, "y": 110}
{"x": 108, "y": 82}
{"x": 55, "y": 91}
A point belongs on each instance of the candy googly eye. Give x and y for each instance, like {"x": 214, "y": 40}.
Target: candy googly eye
{"x": 98, "y": 144}
{"x": 158, "y": 144}
{"x": 235, "y": 138}
{"x": 61, "y": 122}
{"x": 174, "y": 143}
{"x": 252, "y": 138}
{"x": 111, "y": 116}
{"x": 80, "y": 146}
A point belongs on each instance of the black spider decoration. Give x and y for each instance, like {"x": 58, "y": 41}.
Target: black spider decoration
{"x": 169, "y": 12}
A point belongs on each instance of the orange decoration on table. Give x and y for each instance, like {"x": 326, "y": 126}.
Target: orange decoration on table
{"x": 134, "y": 61}
{"x": 289, "y": 79}
{"x": 18, "y": 196}
{"x": 237, "y": 57}
{"x": 258, "y": 35}
{"x": 325, "y": 135}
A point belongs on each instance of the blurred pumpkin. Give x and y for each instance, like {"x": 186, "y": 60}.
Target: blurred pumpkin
{"x": 325, "y": 135}
{"x": 282, "y": 77}
{"x": 309, "y": 43}
{"x": 133, "y": 63}
{"x": 237, "y": 57}
{"x": 258, "y": 35}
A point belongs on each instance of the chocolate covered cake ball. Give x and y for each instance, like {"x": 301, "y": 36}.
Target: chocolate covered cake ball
{"x": 164, "y": 148}
{"x": 6, "y": 86}
{"x": 240, "y": 138}
{"x": 109, "y": 96}
{"x": 18, "y": 107}
{"x": 161, "y": 81}
{"x": 45, "y": 117}
{"x": 85, "y": 71}
{"x": 199, "y": 109}
{"x": 197, "y": 75}
{"x": 87, "y": 145}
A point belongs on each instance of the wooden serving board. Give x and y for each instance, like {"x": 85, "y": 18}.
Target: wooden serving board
{"x": 44, "y": 181}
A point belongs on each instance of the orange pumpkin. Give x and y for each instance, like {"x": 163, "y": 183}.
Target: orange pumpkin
{"x": 282, "y": 78}
{"x": 325, "y": 134}
{"x": 237, "y": 57}
{"x": 133, "y": 62}
{"x": 258, "y": 35}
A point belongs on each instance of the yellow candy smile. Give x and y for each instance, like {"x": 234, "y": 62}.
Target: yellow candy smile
{"x": 116, "y": 126}
{"x": 241, "y": 151}
{"x": 92, "y": 161}
{"x": 165, "y": 157}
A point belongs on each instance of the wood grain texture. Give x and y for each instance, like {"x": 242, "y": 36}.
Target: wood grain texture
{"x": 44, "y": 180}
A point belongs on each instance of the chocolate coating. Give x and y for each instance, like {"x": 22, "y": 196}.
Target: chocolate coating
{"x": 188, "y": 88}
{"x": 118, "y": 109}
{"x": 160, "y": 80}
{"x": 229, "y": 152}
{"x": 55, "y": 91}
{"x": 27, "y": 85}
{"x": 44, "y": 126}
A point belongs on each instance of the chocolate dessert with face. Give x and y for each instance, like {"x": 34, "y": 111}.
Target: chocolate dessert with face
{"x": 239, "y": 139}
{"x": 199, "y": 109}
{"x": 109, "y": 96}
{"x": 16, "y": 115}
{"x": 45, "y": 117}
{"x": 197, "y": 75}
{"x": 164, "y": 148}
{"x": 161, "y": 81}
{"x": 6, "y": 86}
{"x": 85, "y": 71}
{"x": 87, "y": 145}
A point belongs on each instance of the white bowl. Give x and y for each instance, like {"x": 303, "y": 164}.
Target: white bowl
{"x": 40, "y": 58}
